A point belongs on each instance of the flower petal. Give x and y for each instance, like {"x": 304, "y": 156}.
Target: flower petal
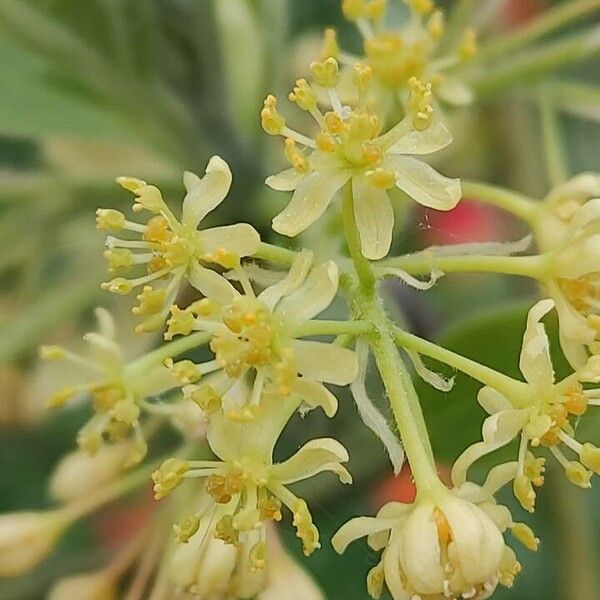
{"x": 314, "y": 295}
{"x": 355, "y": 529}
{"x": 455, "y": 92}
{"x": 535, "y": 361}
{"x": 309, "y": 202}
{"x": 374, "y": 218}
{"x": 211, "y": 284}
{"x": 325, "y": 362}
{"x": 424, "y": 184}
{"x": 314, "y": 457}
{"x": 206, "y": 193}
{"x": 286, "y": 181}
{"x": 432, "y": 139}
{"x": 492, "y": 401}
{"x": 240, "y": 239}
{"x": 391, "y": 568}
{"x": 313, "y": 394}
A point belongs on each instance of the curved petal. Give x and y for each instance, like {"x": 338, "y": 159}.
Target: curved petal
{"x": 424, "y": 184}
{"x": 211, "y": 284}
{"x": 455, "y": 92}
{"x": 535, "y": 361}
{"x": 293, "y": 279}
{"x": 314, "y": 295}
{"x": 325, "y": 362}
{"x": 314, "y": 457}
{"x": 502, "y": 427}
{"x": 578, "y": 188}
{"x": 499, "y": 476}
{"x": 309, "y": 202}
{"x": 314, "y": 394}
{"x": 391, "y": 568}
{"x": 285, "y": 181}
{"x": 580, "y": 258}
{"x": 205, "y": 194}
{"x": 240, "y": 239}
{"x": 432, "y": 139}
{"x": 374, "y": 218}
{"x": 492, "y": 401}
{"x": 439, "y": 382}
{"x": 355, "y": 529}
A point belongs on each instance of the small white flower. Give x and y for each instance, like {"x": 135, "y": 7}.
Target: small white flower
{"x": 538, "y": 411}
{"x": 174, "y": 248}
{"x": 256, "y": 350}
{"x": 447, "y": 547}
{"x": 350, "y": 147}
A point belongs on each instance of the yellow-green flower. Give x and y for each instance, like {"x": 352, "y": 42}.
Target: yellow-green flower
{"x": 171, "y": 249}
{"x": 540, "y": 413}
{"x": 256, "y": 350}
{"x": 351, "y": 148}
{"x": 114, "y": 392}
{"x": 568, "y": 230}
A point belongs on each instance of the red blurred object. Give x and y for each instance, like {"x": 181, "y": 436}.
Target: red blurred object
{"x": 120, "y": 523}
{"x": 469, "y": 222}
{"x": 401, "y": 488}
{"x": 517, "y": 12}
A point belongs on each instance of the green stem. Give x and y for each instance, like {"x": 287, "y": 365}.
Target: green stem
{"x": 169, "y": 350}
{"x": 549, "y": 21}
{"x": 518, "y": 204}
{"x": 555, "y": 158}
{"x": 534, "y": 64}
{"x": 324, "y": 327}
{"x": 422, "y": 263}
{"x": 503, "y": 383}
{"x": 274, "y": 254}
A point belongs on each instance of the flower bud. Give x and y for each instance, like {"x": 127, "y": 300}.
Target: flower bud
{"x": 85, "y": 586}
{"x": 26, "y": 538}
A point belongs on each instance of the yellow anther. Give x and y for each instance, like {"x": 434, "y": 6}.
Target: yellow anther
{"x": 375, "y": 9}
{"x": 158, "y": 230}
{"x": 272, "y": 122}
{"x": 51, "y": 353}
{"x": 119, "y": 258}
{"x": 105, "y": 397}
{"x": 226, "y": 259}
{"x": 334, "y": 123}
{"x": 444, "y": 532}
{"x": 325, "y": 73}
{"x": 578, "y": 474}
{"x": 258, "y": 557}
{"x": 354, "y": 9}
{"x": 154, "y": 323}
{"x": 126, "y": 411}
{"x": 525, "y": 535}
{"x": 534, "y": 468}
{"x": 383, "y": 179}
{"x": 371, "y": 153}
{"x": 168, "y": 476}
{"x": 330, "y": 47}
{"x": 204, "y": 307}
{"x": 107, "y": 218}
{"x": 305, "y": 528}
{"x": 423, "y": 7}
{"x": 185, "y": 371}
{"x": 523, "y": 490}
{"x": 61, "y": 397}
{"x": 181, "y": 322}
{"x": 223, "y": 487}
{"x": 205, "y": 397}
{"x": 151, "y": 301}
{"x": 363, "y": 74}
{"x": 509, "y": 568}
{"x": 303, "y": 95}
{"x": 226, "y": 531}
{"x": 576, "y": 402}
{"x": 363, "y": 126}
{"x": 270, "y": 509}
{"x": 179, "y": 251}
{"x": 117, "y": 286}
{"x": 436, "y": 24}
{"x": 186, "y": 528}
{"x": 325, "y": 142}
{"x": 590, "y": 457}
{"x": 131, "y": 184}
{"x": 295, "y": 156}
{"x": 149, "y": 198}
{"x": 468, "y": 45}
{"x": 375, "y": 581}
{"x": 89, "y": 441}
{"x": 419, "y": 103}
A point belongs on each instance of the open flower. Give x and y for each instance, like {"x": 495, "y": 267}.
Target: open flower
{"x": 257, "y": 353}
{"x": 174, "y": 249}
{"x": 539, "y": 412}
{"x": 224, "y": 544}
{"x": 412, "y": 50}
{"x": 568, "y": 229}
{"x": 350, "y": 147}
{"x": 442, "y": 547}
{"x": 115, "y": 390}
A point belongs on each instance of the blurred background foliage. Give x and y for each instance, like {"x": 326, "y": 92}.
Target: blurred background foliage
{"x": 92, "y": 90}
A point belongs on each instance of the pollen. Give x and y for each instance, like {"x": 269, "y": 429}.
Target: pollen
{"x": 380, "y": 178}
{"x": 205, "y": 396}
{"x": 295, "y": 156}
{"x": 578, "y": 474}
{"x": 168, "y": 476}
{"x": 371, "y": 153}
{"x": 181, "y": 322}
{"x": 258, "y": 557}
{"x": 151, "y": 301}
{"x": 119, "y": 286}
{"x": 303, "y": 96}
{"x": 325, "y": 73}
{"x": 525, "y": 535}
{"x": 523, "y": 490}
{"x": 420, "y": 103}
{"x": 186, "y": 528}
{"x": 119, "y": 259}
{"x": 109, "y": 219}
{"x": 185, "y": 371}
{"x": 272, "y": 122}
{"x": 305, "y": 528}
